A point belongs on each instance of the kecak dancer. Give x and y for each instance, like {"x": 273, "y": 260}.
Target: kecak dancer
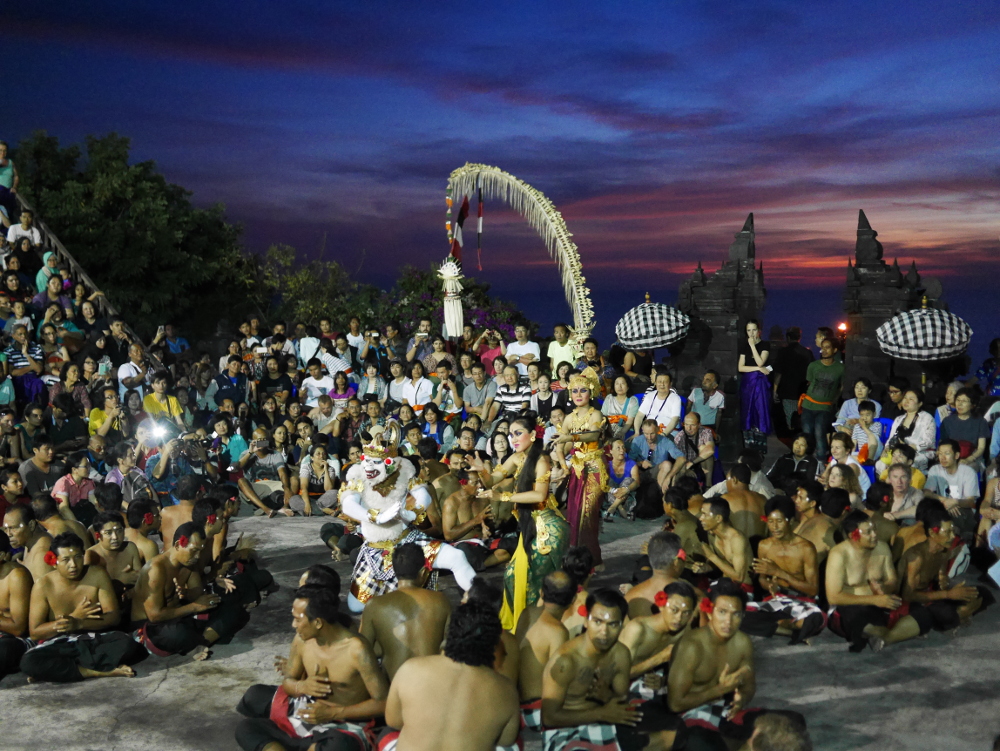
{"x": 580, "y": 442}
{"x": 382, "y": 493}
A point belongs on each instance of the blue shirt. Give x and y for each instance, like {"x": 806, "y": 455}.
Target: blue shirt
{"x": 662, "y": 451}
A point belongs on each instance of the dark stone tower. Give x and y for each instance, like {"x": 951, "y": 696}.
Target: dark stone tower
{"x": 719, "y": 306}
{"x": 875, "y": 292}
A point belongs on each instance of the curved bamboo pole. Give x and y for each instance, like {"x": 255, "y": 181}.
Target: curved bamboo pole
{"x": 541, "y": 214}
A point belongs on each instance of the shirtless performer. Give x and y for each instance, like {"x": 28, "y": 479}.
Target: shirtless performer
{"x": 67, "y": 605}
{"x": 861, "y": 585}
{"x": 24, "y": 532}
{"x": 542, "y": 637}
{"x": 509, "y": 655}
{"x": 712, "y": 677}
{"x": 480, "y": 704}
{"x": 46, "y": 510}
{"x": 683, "y": 523}
{"x": 579, "y": 564}
{"x": 170, "y": 594}
{"x": 812, "y": 525}
{"x": 666, "y": 559}
{"x": 585, "y": 688}
{"x": 907, "y": 537}
{"x": 878, "y": 501}
{"x": 171, "y": 517}
{"x": 786, "y": 567}
{"x": 936, "y": 602}
{"x": 15, "y": 595}
{"x": 745, "y": 506}
{"x": 410, "y": 621}
{"x": 729, "y": 550}
{"x": 119, "y": 557}
{"x": 333, "y": 685}
{"x": 143, "y": 520}
{"x": 651, "y": 639}
{"x": 464, "y": 523}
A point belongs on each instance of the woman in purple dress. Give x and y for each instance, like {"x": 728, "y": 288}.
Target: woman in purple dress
{"x": 755, "y": 388}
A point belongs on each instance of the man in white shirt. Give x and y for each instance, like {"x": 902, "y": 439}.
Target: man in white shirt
{"x": 708, "y": 401}
{"x": 354, "y": 336}
{"x": 955, "y": 484}
{"x": 521, "y": 352}
{"x": 24, "y": 229}
{"x": 560, "y": 350}
{"x": 316, "y": 384}
{"x": 132, "y": 375}
{"x": 663, "y": 405}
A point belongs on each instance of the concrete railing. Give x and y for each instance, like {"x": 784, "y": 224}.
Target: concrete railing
{"x": 50, "y": 242}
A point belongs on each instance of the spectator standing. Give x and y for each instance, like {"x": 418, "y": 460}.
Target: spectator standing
{"x": 825, "y": 378}
{"x": 790, "y": 365}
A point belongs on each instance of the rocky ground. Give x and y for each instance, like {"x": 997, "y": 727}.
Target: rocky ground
{"x": 939, "y": 694}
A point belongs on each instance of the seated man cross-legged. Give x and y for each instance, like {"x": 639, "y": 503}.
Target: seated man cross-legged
{"x": 72, "y": 609}
{"x": 333, "y": 685}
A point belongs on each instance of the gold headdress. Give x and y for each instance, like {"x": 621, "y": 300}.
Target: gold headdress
{"x": 589, "y": 379}
{"x": 380, "y": 442}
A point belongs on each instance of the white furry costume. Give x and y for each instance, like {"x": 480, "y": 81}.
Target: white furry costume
{"x": 375, "y": 494}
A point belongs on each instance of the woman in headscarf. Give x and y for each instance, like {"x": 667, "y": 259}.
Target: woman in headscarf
{"x": 49, "y": 263}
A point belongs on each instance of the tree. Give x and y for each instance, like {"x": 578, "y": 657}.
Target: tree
{"x": 155, "y": 256}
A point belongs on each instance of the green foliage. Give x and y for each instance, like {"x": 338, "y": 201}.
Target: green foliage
{"x": 312, "y": 290}
{"x": 156, "y": 257}
{"x": 159, "y": 259}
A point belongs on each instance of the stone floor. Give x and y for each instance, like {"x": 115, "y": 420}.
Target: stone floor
{"x": 938, "y": 694}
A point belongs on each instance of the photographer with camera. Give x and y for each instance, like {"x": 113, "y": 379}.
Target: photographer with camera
{"x": 265, "y": 482}
{"x": 420, "y": 344}
{"x": 489, "y": 345}
{"x": 175, "y": 459}
{"x": 376, "y": 350}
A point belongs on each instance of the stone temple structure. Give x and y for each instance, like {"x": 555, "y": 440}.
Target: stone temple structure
{"x": 874, "y": 293}
{"x": 719, "y": 305}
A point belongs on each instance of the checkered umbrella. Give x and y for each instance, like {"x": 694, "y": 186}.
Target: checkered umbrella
{"x": 924, "y": 334}
{"x": 651, "y": 325}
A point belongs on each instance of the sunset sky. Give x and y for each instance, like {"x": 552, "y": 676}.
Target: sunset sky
{"x": 654, "y": 127}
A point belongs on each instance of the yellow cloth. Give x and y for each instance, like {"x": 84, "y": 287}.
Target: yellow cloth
{"x": 508, "y": 617}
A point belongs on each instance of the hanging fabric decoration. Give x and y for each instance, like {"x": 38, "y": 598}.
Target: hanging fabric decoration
{"x": 479, "y": 233}
{"x": 456, "y": 245}
{"x": 447, "y": 221}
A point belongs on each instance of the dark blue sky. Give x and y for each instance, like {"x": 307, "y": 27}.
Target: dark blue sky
{"x": 654, "y": 127}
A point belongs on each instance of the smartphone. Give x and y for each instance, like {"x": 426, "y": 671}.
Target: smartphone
{"x": 260, "y": 350}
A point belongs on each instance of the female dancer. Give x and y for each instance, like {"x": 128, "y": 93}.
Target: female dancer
{"x": 580, "y": 437}
{"x": 544, "y": 535}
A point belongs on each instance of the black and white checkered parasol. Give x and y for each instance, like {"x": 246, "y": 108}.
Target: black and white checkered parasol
{"x": 651, "y": 325}
{"x": 924, "y": 334}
